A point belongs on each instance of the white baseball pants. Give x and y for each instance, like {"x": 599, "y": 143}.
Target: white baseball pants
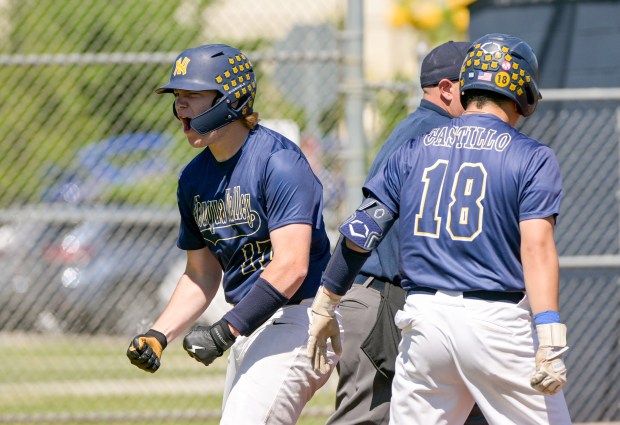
{"x": 455, "y": 351}
{"x": 269, "y": 378}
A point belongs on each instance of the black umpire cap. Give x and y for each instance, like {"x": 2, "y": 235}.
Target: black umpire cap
{"x": 444, "y": 61}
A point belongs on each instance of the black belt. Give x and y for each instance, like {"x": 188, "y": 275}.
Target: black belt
{"x": 369, "y": 282}
{"x": 509, "y": 297}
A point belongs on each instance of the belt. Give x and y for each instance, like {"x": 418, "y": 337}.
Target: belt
{"x": 369, "y": 282}
{"x": 509, "y": 297}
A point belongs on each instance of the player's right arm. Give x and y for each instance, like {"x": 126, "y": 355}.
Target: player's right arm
{"x": 193, "y": 294}
{"x": 360, "y": 234}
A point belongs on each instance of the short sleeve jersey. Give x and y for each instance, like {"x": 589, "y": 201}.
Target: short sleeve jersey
{"x": 460, "y": 192}
{"x": 383, "y": 261}
{"x": 231, "y": 206}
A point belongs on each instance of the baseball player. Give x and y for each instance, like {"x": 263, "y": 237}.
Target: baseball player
{"x": 477, "y": 202}
{"x": 366, "y": 366}
{"x": 251, "y": 208}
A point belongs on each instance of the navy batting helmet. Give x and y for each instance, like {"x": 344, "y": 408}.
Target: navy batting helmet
{"x": 503, "y": 64}
{"x": 215, "y": 67}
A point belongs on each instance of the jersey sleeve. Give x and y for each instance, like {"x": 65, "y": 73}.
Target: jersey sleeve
{"x": 293, "y": 193}
{"x": 385, "y": 185}
{"x": 542, "y": 190}
{"x": 190, "y": 237}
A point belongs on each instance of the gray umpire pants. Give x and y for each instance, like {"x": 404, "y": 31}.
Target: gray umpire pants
{"x": 363, "y": 394}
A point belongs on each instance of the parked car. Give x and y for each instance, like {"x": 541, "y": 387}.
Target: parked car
{"x": 89, "y": 277}
{"x": 71, "y": 264}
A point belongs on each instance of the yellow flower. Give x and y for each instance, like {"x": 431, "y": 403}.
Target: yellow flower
{"x": 460, "y": 19}
{"x": 399, "y": 17}
{"x": 426, "y": 14}
{"x": 457, "y": 4}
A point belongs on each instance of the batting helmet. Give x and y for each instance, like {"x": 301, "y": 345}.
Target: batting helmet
{"x": 215, "y": 67}
{"x": 503, "y": 64}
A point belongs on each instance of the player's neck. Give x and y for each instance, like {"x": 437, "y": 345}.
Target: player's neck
{"x": 505, "y": 112}
{"x": 233, "y": 136}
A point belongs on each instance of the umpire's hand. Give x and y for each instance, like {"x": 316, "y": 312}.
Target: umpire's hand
{"x": 550, "y": 374}
{"x": 145, "y": 350}
{"x": 323, "y": 326}
{"x": 207, "y": 343}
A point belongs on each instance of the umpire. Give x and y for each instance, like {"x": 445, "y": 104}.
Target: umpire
{"x": 366, "y": 367}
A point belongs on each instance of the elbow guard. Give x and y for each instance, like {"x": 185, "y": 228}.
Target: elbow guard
{"x": 367, "y": 226}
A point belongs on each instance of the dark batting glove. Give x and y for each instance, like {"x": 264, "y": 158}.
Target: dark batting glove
{"x": 207, "y": 343}
{"x": 145, "y": 350}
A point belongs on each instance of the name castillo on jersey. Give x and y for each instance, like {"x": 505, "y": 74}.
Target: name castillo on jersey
{"x": 226, "y": 218}
{"x": 468, "y": 137}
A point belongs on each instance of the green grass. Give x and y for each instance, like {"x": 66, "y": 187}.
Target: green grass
{"x": 77, "y": 380}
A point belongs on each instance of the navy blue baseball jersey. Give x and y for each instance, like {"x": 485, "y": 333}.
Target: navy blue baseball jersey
{"x": 267, "y": 184}
{"x": 460, "y": 192}
{"x": 383, "y": 261}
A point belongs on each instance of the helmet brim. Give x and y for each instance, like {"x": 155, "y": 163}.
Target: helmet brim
{"x": 186, "y": 85}
{"x": 163, "y": 90}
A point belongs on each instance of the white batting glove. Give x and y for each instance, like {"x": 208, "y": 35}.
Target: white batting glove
{"x": 550, "y": 374}
{"x": 323, "y": 326}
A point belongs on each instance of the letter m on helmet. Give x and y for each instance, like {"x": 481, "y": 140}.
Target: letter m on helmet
{"x": 180, "y": 68}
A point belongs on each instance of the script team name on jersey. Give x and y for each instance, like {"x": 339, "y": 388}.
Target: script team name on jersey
{"x": 468, "y": 137}
{"x": 233, "y": 210}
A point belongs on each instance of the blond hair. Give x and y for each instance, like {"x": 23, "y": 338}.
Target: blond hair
{"x": 251, "y": 120}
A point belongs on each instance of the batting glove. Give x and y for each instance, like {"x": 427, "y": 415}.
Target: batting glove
{"x": 207, "y": 343}
{"x": 145, "y": 350}
{"x": 550, "y": 374}
{"x": 323, "y": 326}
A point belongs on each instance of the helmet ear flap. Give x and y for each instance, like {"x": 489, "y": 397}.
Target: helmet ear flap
{"x": 530, "y": 97}
{"x": 238, "y": 104}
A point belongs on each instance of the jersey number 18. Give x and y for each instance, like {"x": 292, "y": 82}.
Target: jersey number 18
{"x": 465, "y": 210}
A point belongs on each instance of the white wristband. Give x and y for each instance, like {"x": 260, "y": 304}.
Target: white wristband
{"x": 552, "y": 334}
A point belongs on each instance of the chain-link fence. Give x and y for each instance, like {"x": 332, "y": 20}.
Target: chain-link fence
{"x": 88, "y": 163}
{"x": 583, "y": 128}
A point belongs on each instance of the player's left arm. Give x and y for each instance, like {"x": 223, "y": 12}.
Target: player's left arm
{"x": 275, "y": 286}
{"x": 541, "y": 273}
{"x": 292, "y": 196}
{"x": 539, "y": 257}
{"x": 278, "y": 282}
{"x": 291, "y": 256}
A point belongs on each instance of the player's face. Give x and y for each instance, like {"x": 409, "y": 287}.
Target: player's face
{"x": 190, "y": 104}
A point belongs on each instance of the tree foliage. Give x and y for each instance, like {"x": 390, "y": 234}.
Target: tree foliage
{"x": 77, "y": 71}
